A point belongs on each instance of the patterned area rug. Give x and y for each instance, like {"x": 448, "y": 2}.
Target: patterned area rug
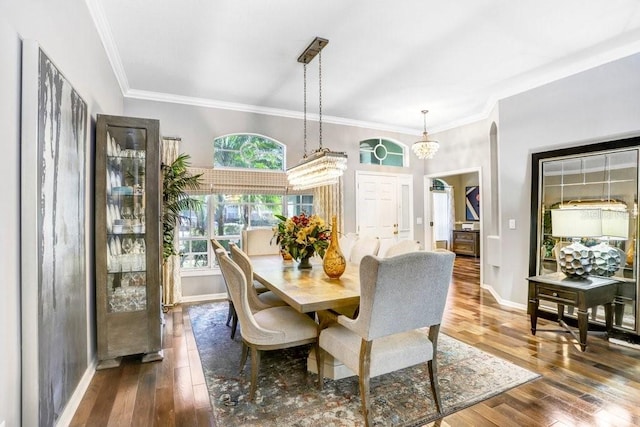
{"x": 288, "y": 396}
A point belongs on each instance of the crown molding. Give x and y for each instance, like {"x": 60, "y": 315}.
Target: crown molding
{"x": 246, "y": 108}
{"x": 104, "y": 32}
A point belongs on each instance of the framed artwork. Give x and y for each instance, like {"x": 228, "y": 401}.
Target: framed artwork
{"x": 472, "y": 203}
{"x": 54, "y": 230}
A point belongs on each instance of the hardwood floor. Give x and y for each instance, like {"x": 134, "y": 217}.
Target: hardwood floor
{"x": 600, "y": 387}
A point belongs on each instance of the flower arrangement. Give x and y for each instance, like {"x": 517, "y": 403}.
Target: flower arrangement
{"x": 302, "y": 236}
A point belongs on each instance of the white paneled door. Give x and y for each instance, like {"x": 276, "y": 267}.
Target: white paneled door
{"x": 384, "y": 207}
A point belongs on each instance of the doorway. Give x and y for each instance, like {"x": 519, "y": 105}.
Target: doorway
{"x": 384, "y": 207}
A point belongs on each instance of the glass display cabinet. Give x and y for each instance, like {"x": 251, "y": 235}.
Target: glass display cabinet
{"x": 600, "y": 182}
{"x": 127, "y": 236}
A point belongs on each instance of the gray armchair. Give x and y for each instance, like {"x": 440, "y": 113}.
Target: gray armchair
{"x": 398, "y": 296}
{"x": 269, "y": 329}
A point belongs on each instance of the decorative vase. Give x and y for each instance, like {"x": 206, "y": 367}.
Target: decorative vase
{"x": 304, "y": 263}
{"x": 334, "y": 262}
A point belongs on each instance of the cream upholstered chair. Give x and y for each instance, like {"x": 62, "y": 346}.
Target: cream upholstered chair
{"x": 365, "y": 245}
{"x": 346, "y": 243}
{"x": 257, "y": 301}
{"x": 257, "y": 241}
{"x": 231, "y": 315}
{"x": 402, "y": 247}
{"x": 269, "y": 329}
{"x": 397, "y": 296}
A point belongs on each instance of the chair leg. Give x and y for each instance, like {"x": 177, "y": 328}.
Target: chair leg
{"x": 364, "y": 371}
{"x": 234, "y": 325}
{"x": 245, "y": 354}
{"x": 435, "y": 388}
{"x": 231, "y": 312}
{"x": 255, "y": 364}
{"x": 433, "y": 367}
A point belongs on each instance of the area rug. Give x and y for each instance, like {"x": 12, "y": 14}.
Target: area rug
{"x": 288, "y": 396}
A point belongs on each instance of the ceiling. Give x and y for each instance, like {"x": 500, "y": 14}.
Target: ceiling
{"x": 385, "y": 61}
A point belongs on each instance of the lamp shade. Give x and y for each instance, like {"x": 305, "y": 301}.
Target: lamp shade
{"x": 576, "y": 223}
{"x": 615, "y": 224}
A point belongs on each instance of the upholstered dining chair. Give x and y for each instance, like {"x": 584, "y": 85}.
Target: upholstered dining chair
{"x": 346, "y": 243}
{"x": 398, "y": 296}
{"x": 402, "y": 247}
{"x": 231, "y": 315}
{"x": 257, "y": 241}
{"x": 269, "y": 329}
{"x": 365, "y": 245}
{"x": 257, "y": 301}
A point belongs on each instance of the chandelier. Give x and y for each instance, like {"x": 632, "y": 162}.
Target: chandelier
{"x": 323, "y": 166}
{"x": 425, "y": 148}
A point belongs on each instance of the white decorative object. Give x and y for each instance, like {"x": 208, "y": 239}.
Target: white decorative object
{"x": 607, "y": 260}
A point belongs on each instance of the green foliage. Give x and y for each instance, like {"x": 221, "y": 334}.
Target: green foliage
{"x": 176, "y": 180}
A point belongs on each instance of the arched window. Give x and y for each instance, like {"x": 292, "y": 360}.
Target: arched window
{"x": 248, "y": 151}
{"x": 379, "y": 151}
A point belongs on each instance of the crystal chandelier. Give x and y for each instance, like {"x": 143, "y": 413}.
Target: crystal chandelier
{"x": 425, "y": 148}
{"x": 323, "y": 166}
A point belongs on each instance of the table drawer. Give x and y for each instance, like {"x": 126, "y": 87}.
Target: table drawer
{"x": 558, "y": 295}
{"x": 464, "y": 247}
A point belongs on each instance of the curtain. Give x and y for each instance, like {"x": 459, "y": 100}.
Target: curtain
{"x": 328, "y": 200}
{"x": 171, "y": 282}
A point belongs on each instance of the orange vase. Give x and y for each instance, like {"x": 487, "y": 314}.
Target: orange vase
{"x": 334, "y": 262}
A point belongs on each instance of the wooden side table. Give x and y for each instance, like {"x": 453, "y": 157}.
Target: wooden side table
{"x": 579, "y": 293}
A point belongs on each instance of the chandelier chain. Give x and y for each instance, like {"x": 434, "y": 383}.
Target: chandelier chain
{"x": 320, "y": 95}
{"x": 305, "y": 111}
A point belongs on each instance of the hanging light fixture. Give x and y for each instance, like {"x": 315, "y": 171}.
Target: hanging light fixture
{"x": 425, "y": 149}
{"x": 323, "y": 166}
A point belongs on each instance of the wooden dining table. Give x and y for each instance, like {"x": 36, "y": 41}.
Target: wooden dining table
{"x": 309, "y": 290}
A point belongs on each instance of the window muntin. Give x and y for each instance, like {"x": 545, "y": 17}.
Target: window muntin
{"x": 379, "y": 151}
{"x": 248, "y": 151}
{"x": 224, "y": 216}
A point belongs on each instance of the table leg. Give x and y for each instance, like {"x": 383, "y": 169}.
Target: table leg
{"x": 608, "y": 316}
{"x": 533, "y": 311}
{"x": 560, "y": 312}
{"x": 583, "y": 326}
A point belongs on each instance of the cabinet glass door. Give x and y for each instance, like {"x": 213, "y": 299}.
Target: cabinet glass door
{"x": 126, "y": 219}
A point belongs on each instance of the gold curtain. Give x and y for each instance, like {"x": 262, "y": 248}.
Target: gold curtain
{"x": 329, "y": 200}
{"x": 171, "y": 282}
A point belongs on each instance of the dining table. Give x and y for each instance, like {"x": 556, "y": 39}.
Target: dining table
{"x": 309, "y": 291}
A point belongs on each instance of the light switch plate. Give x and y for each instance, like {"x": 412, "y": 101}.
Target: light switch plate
{"x": 419, "y": 220}
{"x": 512, "y": 224}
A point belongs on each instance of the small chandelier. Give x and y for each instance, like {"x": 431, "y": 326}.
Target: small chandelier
{"x": 323, "y": 166}
{"x": 425, "y": 149}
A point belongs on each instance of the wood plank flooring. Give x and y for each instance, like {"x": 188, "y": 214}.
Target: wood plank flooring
{"x": 600, "y": 387}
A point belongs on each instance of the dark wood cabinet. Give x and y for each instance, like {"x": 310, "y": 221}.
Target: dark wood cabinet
{"x": 466, "y": 242}
{"x": 127, "y": 239}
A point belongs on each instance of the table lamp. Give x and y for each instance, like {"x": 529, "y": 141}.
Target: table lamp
{"x": 576, "y": 260}
{"x": 615, "y": 226}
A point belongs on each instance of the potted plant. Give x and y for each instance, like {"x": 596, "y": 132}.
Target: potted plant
{"x": 176, "y": 180}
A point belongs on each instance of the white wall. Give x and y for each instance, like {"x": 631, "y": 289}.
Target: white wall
{"x": 66, "y": 33}
{"x": 594, "y": 105}
{"x": 198, "y": 126}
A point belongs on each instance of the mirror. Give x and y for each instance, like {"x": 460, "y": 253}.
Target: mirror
{"x": 588, "y": 196}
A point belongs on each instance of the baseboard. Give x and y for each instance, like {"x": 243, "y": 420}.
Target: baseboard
{"x": 76, "y": 397}
{"x": 502, "y": 301}
{"x": 204, "y": 297}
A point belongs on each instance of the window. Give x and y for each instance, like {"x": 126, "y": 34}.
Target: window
{"x": 223, "y": 217}
{"x": 380, "y": 151}
{"x": 248, "y": 151}
{"x": 233, "y": 207}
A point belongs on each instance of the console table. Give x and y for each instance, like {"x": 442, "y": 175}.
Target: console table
{"x": 578, "y": 293}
